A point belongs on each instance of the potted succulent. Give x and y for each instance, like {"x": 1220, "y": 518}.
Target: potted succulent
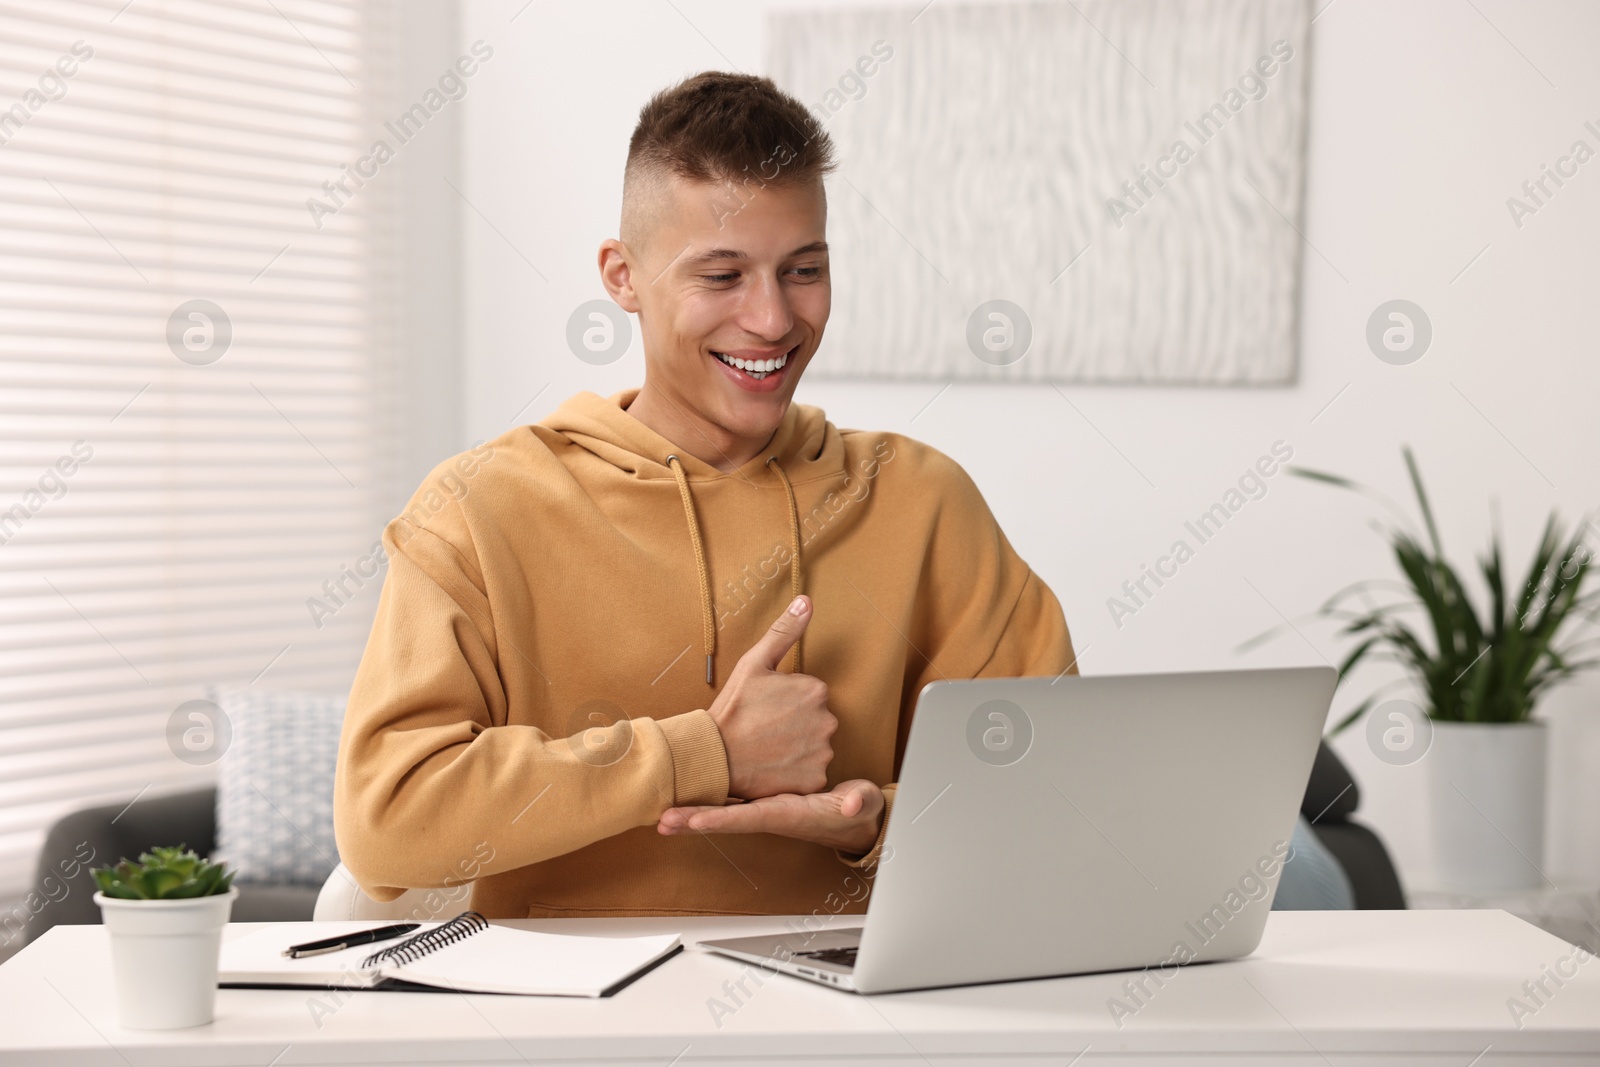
{"x": 1478, "y": 674}
{"x": 165, "y": 916}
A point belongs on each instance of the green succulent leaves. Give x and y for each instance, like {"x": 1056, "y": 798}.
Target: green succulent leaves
{"x": 164, "y": 874}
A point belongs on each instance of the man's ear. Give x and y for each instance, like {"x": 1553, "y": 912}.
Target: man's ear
{"x": 616, "y": 274}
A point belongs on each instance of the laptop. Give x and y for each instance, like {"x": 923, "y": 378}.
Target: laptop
{"x": 1047, "y": 827}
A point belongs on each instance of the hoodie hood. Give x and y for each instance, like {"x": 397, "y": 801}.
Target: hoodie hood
{"x": 806, "y": 444}
{"x": 805, "y": 447}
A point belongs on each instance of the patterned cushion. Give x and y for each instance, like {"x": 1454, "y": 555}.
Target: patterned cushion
{"x": 1312, "y": 879}
{"x": 275, "y": 784}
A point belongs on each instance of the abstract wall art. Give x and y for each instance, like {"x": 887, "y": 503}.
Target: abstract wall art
{"x": 1083, "y": 191}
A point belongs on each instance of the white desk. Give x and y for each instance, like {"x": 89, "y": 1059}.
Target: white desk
{"x": 1570, "y": 909}
{"x": 1420, "y": 987}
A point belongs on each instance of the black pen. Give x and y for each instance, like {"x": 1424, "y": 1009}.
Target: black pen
{"x": 363, "y": 937}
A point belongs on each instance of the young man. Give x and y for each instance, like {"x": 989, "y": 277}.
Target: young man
{"x": 659, "y": 653}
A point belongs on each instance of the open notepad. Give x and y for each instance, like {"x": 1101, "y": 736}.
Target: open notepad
{"x": 466, "y": 954}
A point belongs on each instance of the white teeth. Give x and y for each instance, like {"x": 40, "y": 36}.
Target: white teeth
{"x": 756, "y": 368}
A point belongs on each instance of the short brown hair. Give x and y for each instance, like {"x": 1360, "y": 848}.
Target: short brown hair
{"x": 720, "y": 127}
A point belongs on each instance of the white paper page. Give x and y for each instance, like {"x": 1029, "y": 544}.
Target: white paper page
{"x": 258, "y": 956}
{"x": 504, "y": 960}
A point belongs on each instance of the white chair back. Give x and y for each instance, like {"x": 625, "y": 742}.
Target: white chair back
{"x": 342, "y": 898}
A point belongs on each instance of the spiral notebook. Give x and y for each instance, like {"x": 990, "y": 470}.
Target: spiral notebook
{"x": 465, "y": 955}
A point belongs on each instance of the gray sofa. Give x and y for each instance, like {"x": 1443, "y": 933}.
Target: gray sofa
{"x": 188, "y": 818}
{"x": 1331, "y": 797}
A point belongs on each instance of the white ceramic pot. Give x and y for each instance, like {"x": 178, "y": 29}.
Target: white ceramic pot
{"x": 164, "y": 956}
{"x": 1487, "y": 789}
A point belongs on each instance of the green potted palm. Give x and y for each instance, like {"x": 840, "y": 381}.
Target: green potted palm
{"x": 1478, "y": 672}
{"x": 165, "y": 916}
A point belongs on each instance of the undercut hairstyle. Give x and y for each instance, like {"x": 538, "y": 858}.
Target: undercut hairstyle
{"x": 716, "y": 127}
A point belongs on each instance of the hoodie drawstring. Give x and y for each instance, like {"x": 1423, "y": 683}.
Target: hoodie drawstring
{"x": 707, "y": 609}
{"x": 794, "y": 546}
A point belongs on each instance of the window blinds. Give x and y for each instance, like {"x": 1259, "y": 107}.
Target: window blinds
{"x": 196, "y": 408}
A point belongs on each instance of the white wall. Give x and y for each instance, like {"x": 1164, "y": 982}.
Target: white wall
{"x": 1424, "y": 119}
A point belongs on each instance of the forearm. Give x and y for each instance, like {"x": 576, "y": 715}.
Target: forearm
{"x": 437, "y": 806}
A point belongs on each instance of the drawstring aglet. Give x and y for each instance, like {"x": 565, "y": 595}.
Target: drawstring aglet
{"x": 709, "y": 678}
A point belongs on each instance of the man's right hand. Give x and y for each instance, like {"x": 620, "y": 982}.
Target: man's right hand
{"x": 775, "y": 726}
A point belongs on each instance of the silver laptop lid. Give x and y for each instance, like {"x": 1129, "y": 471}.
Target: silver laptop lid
{"x": 1053, "y": 826}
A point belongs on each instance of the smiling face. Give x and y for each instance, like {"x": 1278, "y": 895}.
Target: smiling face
{"x": 722, "y": 278}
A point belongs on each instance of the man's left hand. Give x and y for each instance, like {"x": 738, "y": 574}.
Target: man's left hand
{"x": 847, "y": 817}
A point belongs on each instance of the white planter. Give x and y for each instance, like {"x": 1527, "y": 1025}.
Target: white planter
{"x": 164, "y": 955}
{"x": 1487, "y": 788}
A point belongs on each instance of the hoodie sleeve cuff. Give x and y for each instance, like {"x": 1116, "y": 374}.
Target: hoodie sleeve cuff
{"x": 699, "y": 762}
{"x": 874, "y": 855}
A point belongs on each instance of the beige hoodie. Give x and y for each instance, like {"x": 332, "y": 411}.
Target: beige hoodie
{"x": 533, "y": 694}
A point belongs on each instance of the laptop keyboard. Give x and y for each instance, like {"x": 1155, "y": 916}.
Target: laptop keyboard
{"x": 843, "y": 957}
